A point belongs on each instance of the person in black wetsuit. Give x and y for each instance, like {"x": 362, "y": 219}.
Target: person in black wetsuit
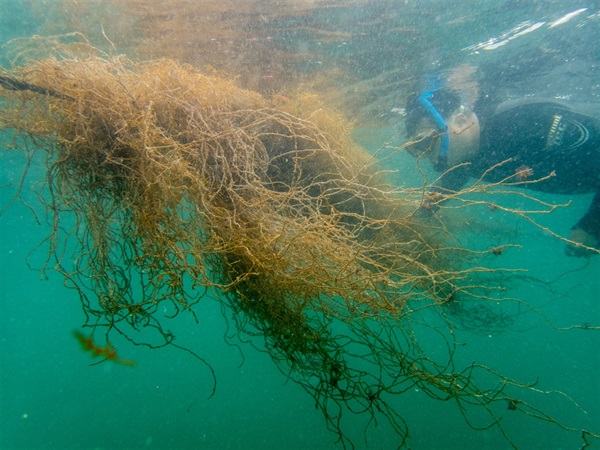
{"x": 539, "y": 136}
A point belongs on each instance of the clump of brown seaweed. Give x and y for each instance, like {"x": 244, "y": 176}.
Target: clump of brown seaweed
{"x": 175, "y": 184}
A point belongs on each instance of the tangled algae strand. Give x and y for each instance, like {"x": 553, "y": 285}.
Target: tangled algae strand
{"x": 172, "y": 184}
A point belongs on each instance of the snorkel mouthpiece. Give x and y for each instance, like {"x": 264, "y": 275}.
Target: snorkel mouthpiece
{"x": 433, "y": 113}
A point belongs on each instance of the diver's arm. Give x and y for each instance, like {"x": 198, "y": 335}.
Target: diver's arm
{"x": 587, "y": 230}
{"x": 590, "y": 222}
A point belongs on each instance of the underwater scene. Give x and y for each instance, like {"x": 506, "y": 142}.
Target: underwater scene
{"x": 299, "y": 224}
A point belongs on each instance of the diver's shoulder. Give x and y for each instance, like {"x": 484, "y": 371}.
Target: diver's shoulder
{"x": 551, "y": 105}
{"x": 531, "y": 102}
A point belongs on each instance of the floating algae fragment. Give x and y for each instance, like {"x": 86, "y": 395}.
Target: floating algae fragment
{"x": 108, "y": 352}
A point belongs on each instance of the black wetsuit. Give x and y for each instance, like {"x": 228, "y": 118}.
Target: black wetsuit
{"x": 545, "y": 137}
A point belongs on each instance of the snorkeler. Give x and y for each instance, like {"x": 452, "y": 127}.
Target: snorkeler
{"x": 519, "y": 138}
{"x": 541, "y": 137}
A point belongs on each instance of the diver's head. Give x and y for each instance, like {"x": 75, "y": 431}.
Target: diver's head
{"x": 441, "y": 113}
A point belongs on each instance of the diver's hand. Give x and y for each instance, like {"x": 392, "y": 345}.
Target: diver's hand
{"x": 431, "y": 202}
{"x": 583, "y": 237}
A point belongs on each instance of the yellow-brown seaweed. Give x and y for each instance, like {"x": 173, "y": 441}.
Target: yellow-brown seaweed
{"x": 172, "y": 184}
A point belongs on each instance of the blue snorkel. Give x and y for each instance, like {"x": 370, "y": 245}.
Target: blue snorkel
{"x": 440, "y": 123}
